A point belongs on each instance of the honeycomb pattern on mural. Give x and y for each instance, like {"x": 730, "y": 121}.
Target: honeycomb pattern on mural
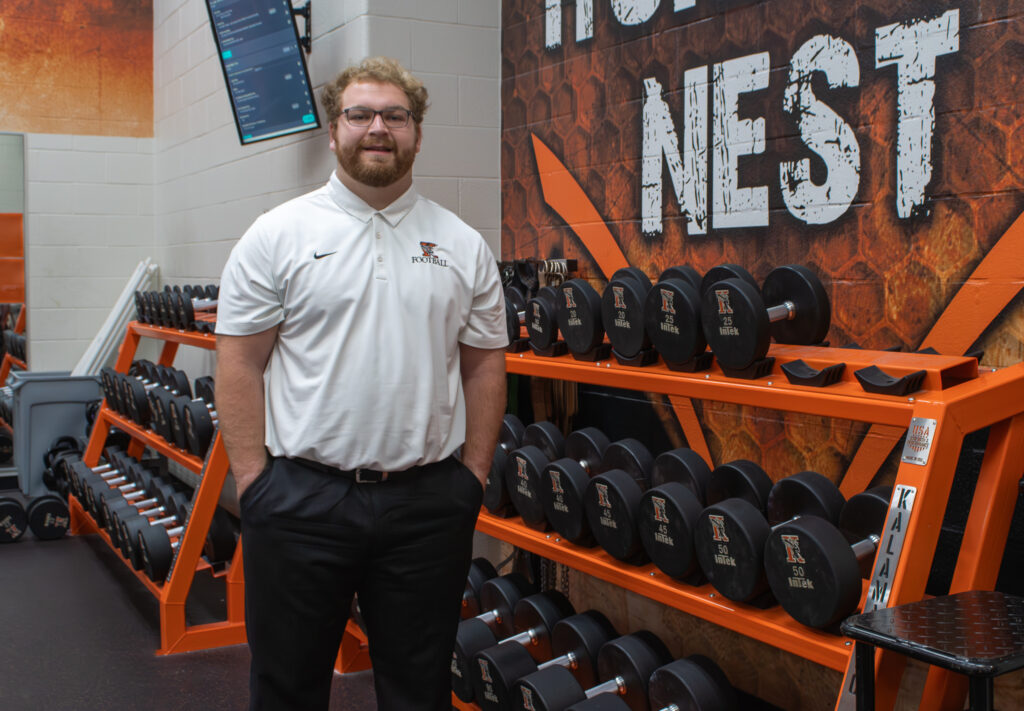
{"x": 889, "y": 279}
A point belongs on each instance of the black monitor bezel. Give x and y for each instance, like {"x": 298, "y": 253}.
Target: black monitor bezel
{"x": 231, "y": 99}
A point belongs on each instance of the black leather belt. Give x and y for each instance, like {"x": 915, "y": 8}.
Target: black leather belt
{"x": 361, "y": 476}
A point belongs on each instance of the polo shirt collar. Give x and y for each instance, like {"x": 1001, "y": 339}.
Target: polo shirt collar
{"x": 357, "y": 207}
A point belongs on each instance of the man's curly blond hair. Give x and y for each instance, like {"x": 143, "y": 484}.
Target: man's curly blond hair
{"x": 383, "y": 70}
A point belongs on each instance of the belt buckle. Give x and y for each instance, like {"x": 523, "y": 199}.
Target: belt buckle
{"x": 375, "y": 479}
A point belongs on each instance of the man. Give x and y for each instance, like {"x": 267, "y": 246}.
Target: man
{"x": 360, "y": 337}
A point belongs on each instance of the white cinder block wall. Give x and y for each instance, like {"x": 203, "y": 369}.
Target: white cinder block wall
{"x": 88, "y": 222}
{"x": 208, "y": 188}
{"x": 96, "y": 206}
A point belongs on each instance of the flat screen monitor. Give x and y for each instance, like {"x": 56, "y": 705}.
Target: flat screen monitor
{"x": 264, "y": 68}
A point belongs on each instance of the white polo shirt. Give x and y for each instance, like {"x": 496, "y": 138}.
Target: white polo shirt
{"x": 372, "y": 305}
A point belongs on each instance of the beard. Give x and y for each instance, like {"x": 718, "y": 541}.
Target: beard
{"x": 372, "y": 170}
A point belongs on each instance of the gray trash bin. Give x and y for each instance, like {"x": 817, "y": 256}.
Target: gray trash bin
{"x": 47, "y": 405}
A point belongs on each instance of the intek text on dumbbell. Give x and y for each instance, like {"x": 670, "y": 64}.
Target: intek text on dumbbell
{"x": 669, "y": 510}
{"x": 813, "y": 568}
{"x": 612, "y": 497}
{"x": 564, "y": 484}
{"x": 739, "y": 321}
{"x": 579, "y": 320}
{"x": 732, "y": 532}
{"x": 622, "y": 313}
{"x": 671, "y": 317}
{"x": 542, "y": 442}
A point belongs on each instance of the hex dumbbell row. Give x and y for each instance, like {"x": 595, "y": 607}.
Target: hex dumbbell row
{"x": 177, "y": 307}
{"x": 693, "y": 523}
{"x": 144, "y": 513}
{"x": 159, "y": 397}
{"x": 678, "y": 316}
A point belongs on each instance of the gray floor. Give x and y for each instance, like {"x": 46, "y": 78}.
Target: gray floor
{"x": 78, "y": 632}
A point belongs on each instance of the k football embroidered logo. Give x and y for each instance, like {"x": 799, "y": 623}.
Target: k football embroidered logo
{"x": 428, "y": 256}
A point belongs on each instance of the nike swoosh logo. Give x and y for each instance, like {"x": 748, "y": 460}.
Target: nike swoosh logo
{"x": 325, "y": 254}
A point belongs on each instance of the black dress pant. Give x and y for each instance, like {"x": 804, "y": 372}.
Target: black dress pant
{"x": 312, "y": 538}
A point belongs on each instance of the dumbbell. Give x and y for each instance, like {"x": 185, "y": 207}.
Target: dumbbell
{"x": 542, "y": 442}
{"x": 186, "y": 306}
{"x": 79, "y": 474}
{"x": 579, "y": 320}
{"x": 128, "y": 522}
{"x": 611, "y": 498}
{"x": 151, "y": 490}
{"x": 498, "y": 598}
{"x": 534, "y": 617}
{"x": 542, "y": 322}
{"x": 671, "y": 317}
{"x": 564, "y": 483}
{"x": 161, "y": 400}
{"x": 814, "y": 568}
{"x": 109, "y": 379}
{"x": 135, "y": 388}
{"x": 731, "y": 534}
{"x": 515, "y": 318}
{"x": 48, "y": 517}
{"x": 668, "y": 512}
{"x": 156, "y": 549}
{"x": 97, "y": 489}
{"x": 13, "y": 519}
{"x": 199, "y": 418}
{"x": 480, "y": 571}
{"x": 695, "y": 684}
{"x": 625, "y": 665}
{"x": 792, "y": 306}
{"x": 510, "y": 437}
{"x": 200, "y": 421}
{"x": 622, "y": 313}
{"x": 105, "y": 503}
{"x": 575, "y": 643}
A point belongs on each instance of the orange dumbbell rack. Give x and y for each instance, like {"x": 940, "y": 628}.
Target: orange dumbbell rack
{"x": 175, "y": 634}
{"x": 954, "y": 395}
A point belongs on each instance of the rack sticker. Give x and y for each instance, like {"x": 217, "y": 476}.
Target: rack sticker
{"x": 918, "y": 446}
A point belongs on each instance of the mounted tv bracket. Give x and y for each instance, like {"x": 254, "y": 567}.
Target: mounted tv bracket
{"x": 306, "y": 40}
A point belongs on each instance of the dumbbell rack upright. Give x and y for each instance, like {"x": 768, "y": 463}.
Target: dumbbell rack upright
{"x": 175, "y": 634}
{"x": 955, "y": 399}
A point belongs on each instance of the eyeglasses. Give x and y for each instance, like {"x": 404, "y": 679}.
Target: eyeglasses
{"x": 393, "y": 116}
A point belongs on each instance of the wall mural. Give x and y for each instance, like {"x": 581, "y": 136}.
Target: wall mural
{"x": 80, "y": 67}
{"x": 876, "y": 142}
